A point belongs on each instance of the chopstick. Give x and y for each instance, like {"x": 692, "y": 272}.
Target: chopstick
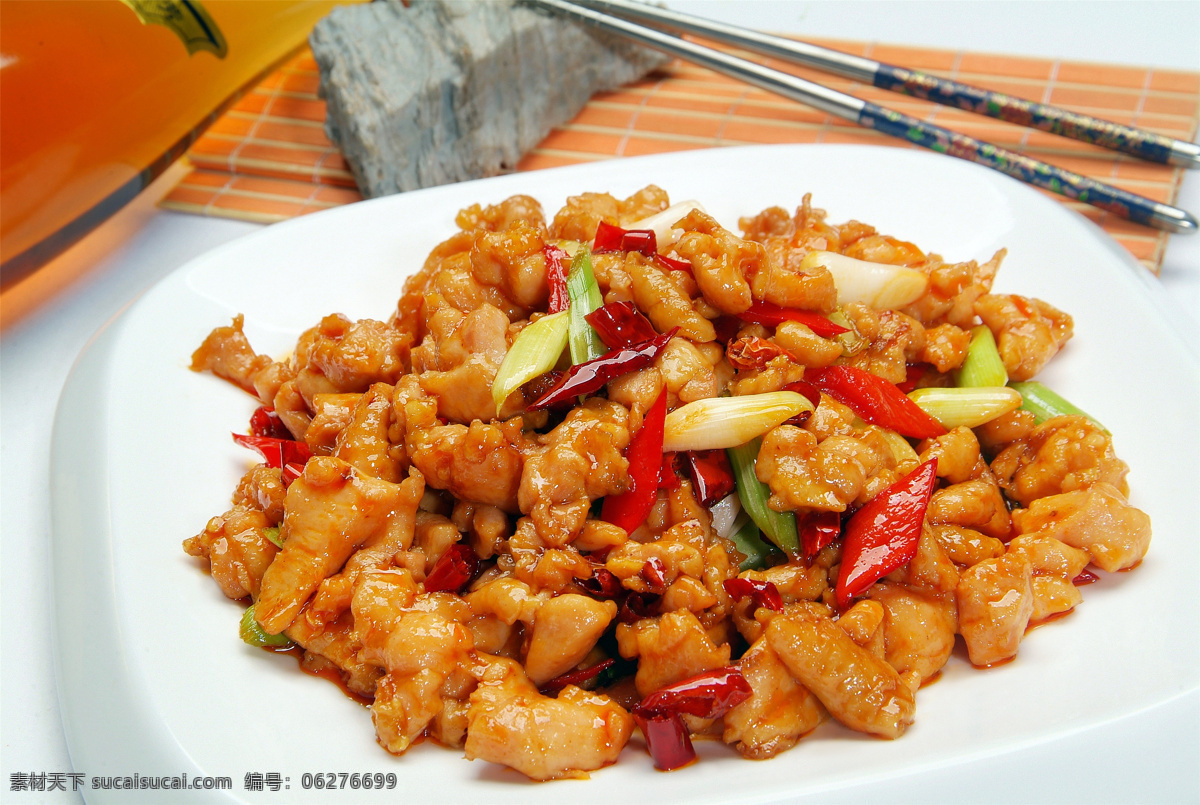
{"x": 917, "y": 132}
{"x": 1114, "y": 136}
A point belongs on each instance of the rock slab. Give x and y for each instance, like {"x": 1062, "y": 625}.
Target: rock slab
{"x": 440, "y": 91}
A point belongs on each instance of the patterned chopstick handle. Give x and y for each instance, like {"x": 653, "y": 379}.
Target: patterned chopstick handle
{"x": 1072, "y": 185}
{"x": 1142, "y": 144}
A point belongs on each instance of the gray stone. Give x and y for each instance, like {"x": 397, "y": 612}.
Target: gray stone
{"x": 447, "y": 90}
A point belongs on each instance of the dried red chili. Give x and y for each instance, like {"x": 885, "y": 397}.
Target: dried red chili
{"x": 620, "y": 324}
{"x": 577, "y": 677}
{"x": 1085, "y": 577}
{"x": 589, "y": 376}
{"x": 883, "y": 534}
{"x": 265, "y": 422}
{"x": 712, "y": 476}
{"x": 276, "y": 452}
{"x": 654, "y": 573}
{"x": 610, "y": 238}
{"x": 453, "y": 569}
{"x": 810, "y": 391}
{"x": 817, "y": 529}
{"x": 752, "y": 352}
{"x": 914, "y": 373}
{"x": 645, "y": 454}
{"x": 602, "y": 584}
{"x": 637, "y": 606}
{"x": 876, "y": 400}
{"x": 772, "y": 315}
{"x": 667, "y": 739}
{"x": 291, "y": 472}
{"x": 558, "y": 264}
{"x": 711, "y": 694}
{"x": 761, "y": 593}
{"x": 667, "y": 479}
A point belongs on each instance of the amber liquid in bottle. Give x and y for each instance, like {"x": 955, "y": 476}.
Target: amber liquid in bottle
{"x": 95, "y": 102}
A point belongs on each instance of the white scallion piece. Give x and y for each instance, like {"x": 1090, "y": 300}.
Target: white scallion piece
{"x": 725, "y": 514}
{"x": 874, "y": 284}
{"x": 971, "y": 407}
{"x": 983, "y": 366}
{"x": 535, "y": 350}
{"x": 661, "y": 222}
{"x": 722, "y": 422}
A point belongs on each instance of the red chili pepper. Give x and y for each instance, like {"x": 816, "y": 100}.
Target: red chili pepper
{"x": 577, "y": 677}
{"x": 291, "y": 472}
{"x": 589, "y": 376}
{"x": 875, "y": 400}
{"x": 817, "y": 529}
{"x": 1085, "y": 577}
{"x": 883, "y": 534}
{"x": 610, "y": 238}
{"x": 711, "y": 694}
{"x": 809, "y": 390}
{"x": 602, "y": 584}
{"x": 667, "y": 479}
{"x": 265, "y": 422}
{"x": 753, "y": 352}
{"x": 762, "y": 593}
{"x": 667, "y": 739}
{"x": 276, "y": 452}
{"x": 654, "y": 573}
{"x": 558, "y": 264}
{"x": 772, "y": 315}
{"x": 637, "y": 606}
{"x": 673, "y": 264}
{"x": 453, "y": 569}
{"x": 630, "y": 509}
{"x": 620, "y": 324}
{"x": 913, "y": 374}
{"x": 727, "y": 328}
{"x": 712, "y": 477}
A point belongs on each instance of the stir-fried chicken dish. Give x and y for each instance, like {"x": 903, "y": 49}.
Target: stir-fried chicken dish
{"x": 625, "y": 472}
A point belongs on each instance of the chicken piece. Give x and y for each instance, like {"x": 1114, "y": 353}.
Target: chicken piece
{"x": 1029, "y": 332}
{"x": 779, "y": 712}
{"x": 1052, "y": 596}
{"x": 1049, "y": 556}
{"x": 331, "y": 511}
{"x": 404, "y": 707}
{"x": 859, "y": 690}
{"x": 637, "y": 389}
{"x": 953, "y": 290}
{"x": 664, "y": 302}
{"x": 262, "y": 488}
{"x": 649, "y": 200}
{"x": 669, "y": 648}
{"x": 542, "y": 567}
{"x": 480, "y": 462}
{"x": 957, "y": 452}
{"x": 487, "y": 527}
{"x": 498, "y": 217}
{"x": 678, "y": 557}
{"x": 582, "y": 459}
{"x": 363, "y": 443}
{"x": 582, "y": 215}
{"x": 509, "y": 722}
{"x": 809, "y": 349}
{"x": 686, "y": 373}
{"x": 336, "y": 644}
{"x": 893, "y": 341}
{"x": 945, "y": 347}
{"x": 918, "y": 629}
{"x": 875, "y": 248}
{"x": 804, "y": 474}
{"x": 976, "y": 504}
{"x": 513, "y": 260}
{"x": 292, "y": 409}
{"x": 331, "y": 414}
{"x": 795, "y": 582}
{"x": 237, "y": 550}
{"x": 863, "y": 622}
{"x": 458, "y": 359}
{"x": 783, "y": 280}
{"x": 565, "y": 629}
{"x": 995, "y": 603}
{"x": 966, "y": 546}
{"x": 1063, "y": 454}
{"x": 228, "y": 355}
{"x": 1098, "y": 520}
{"x": 267, "y": 381}
{"x": 1001, "y": 431}
{"x": 722, "y": 263}
{"x": 353, "y": 355}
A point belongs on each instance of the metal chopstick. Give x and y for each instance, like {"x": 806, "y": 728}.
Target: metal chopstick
{"x": 1063, "y": 122}
{"x": 1039, "y": 174}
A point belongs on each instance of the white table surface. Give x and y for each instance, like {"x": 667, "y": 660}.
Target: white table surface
{"x": 142, "y": 244}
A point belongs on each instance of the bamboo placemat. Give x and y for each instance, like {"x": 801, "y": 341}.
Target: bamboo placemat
{"x": 267, "y": 158}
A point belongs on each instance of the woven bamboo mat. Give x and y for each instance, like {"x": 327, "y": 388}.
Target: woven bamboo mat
{"x": 267, "y": 158}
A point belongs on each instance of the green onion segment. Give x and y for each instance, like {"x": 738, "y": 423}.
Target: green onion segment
{"x": 749, "y": 541}
{"x": 272, "y": 535}
{"x": 983, "y": 366}
{"x": 1044, "y": 404}
{"x": 585, "y": 297}
{"x": 535, "y": 350}
{"x": 965, "y": 407}
{"x": 778, "y": 527}
{"x": 254, "y": 635}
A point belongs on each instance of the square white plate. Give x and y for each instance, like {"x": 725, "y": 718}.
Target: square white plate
{"x": 152, "y": 675}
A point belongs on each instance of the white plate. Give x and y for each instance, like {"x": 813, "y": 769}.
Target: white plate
{"x": 154, "y": 679}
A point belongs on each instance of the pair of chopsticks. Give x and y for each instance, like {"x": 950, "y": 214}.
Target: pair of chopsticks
{"x": 610, "y": 16}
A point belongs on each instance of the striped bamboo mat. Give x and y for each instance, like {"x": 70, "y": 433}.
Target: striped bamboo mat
{"x": 267, "y": 158}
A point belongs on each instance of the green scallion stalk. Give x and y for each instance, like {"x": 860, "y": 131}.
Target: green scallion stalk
{"x": 272, "y": 534}
{"x": 535, "y": 350}
{"x": 1045, "y": 404}
{"x": 851, "y": 342}
{"x": 253, "y": 633}
{"x": 749, "y": 542}
{"x": 965, "y": 407}
{"x": 778, "y": 527}
{"x": 585, "y": 297}
{"x": 983, "y": 366}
